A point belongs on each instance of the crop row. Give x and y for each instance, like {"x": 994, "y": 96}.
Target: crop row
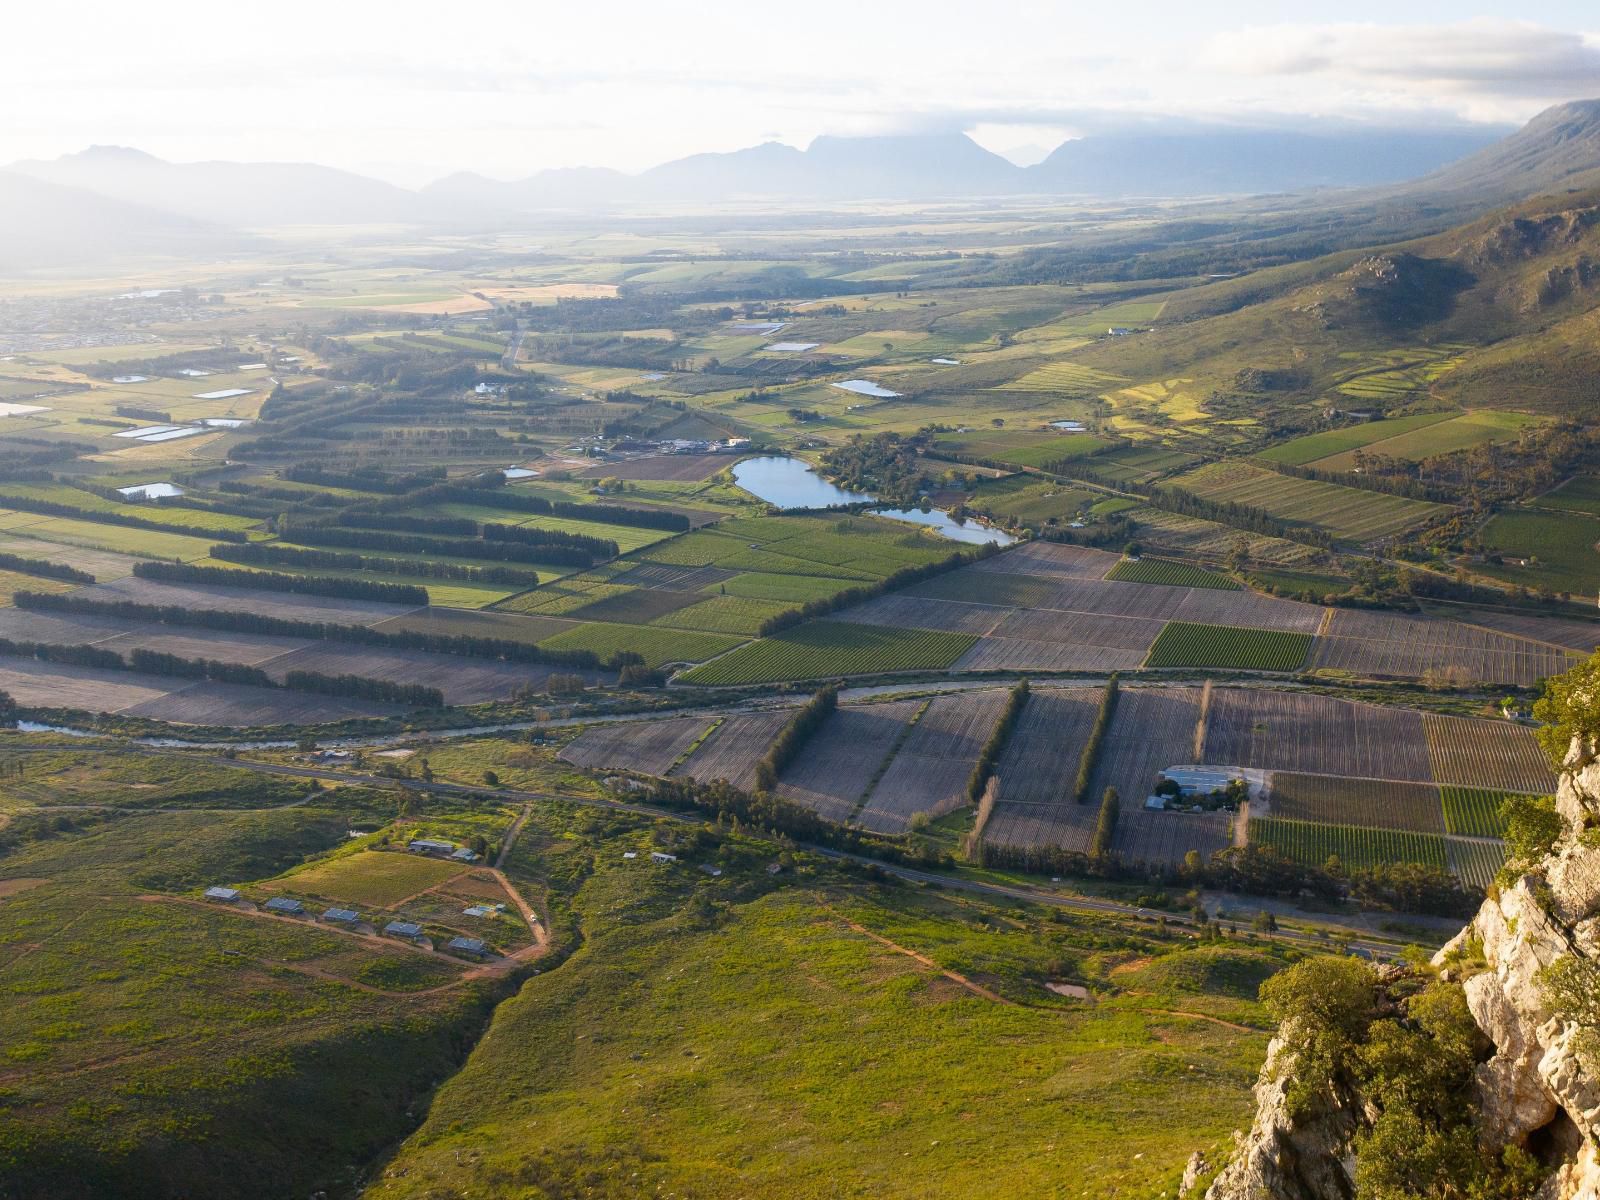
{"x": 1355, "y": 847}
{"x": 1184, "y": 644}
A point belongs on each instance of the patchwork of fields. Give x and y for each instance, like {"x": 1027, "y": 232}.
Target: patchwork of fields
{"x": 1359, "y": 778}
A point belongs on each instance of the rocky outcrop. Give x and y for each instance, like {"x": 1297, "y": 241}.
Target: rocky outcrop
{"x": 1536, "y": 1090}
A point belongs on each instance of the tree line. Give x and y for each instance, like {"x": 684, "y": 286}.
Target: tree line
{"x": 989, "y": 756}
{"x": 44, "y": 569}
{"x": 1091, "y": 748}
{"x": 808, "y": 718}
{"x": 406, "y": 543}
{"x": 273, "y": 581}
{"x": 153, "y": 662}
{"x": 55, "y": 508}
{"x": 291, "y": 556}
{"x": 245, "y": 622}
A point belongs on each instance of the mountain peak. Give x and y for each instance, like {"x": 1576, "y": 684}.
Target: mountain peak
{"x": 123, "y": 155}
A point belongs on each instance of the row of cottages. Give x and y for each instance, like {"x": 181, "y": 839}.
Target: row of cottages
{"x": 409, "y": 931}
{"x": 439, "y": 849}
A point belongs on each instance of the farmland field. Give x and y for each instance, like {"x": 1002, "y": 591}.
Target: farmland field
{"x": 1182, "y": 644}
{"x": 658, "y": 645}
{"x": 1314, "y": 446}
{"x": 1356, "y": 847}
{"x": 1581, "y": 637}
{"x": 1151, "y": 729}
{"x": 1475, "y": 863}
{"x": 649, "y": 747}
{"x": 1294, "y": 731}
{"x": 1488, "y": 754}
{"x": 1392, "y": 644}
{"x": 1344, "y": 512}
{"x": 372, "y": 878}
{"x": 1036, "y": 770}
{"x": 1342, "y": 800}
{"x": 1579, "y": 494}
{"x": 1050, "y": 560}
{"x": 1164, "y": 839}
{"x": 733, "y": 748}
{"x": 1170, "y": 572}
{"x": 1458, "y": 433}
{"x": 827, "y": 649}
{"x": 840, "y": 761}
{"x": 929, "y": 772}
{"x": 1022, "y": 448}
{"x": 1473, "y": 811}
{"x": 1560, "y": 548}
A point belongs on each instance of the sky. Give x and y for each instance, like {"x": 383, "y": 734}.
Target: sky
{"x": 411, "y": 91}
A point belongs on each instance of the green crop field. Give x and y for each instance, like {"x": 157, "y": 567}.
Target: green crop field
{"x": 1183, "y": 644}
{"x": 1344, "y": 512}
{"x": 1171, "y": 572}
{"x": 725, "y": 614}
{"x": 166, "y": 513}
{"x": 1560, "y": 547}
{"x": 1356, "y": 846}
{"x": 758, "y": 585}
{"x": 1580, "y": 494}
{"x": 1314, "y": 446}
{"x": 1474, "y": 812}
{"x": 825, "y": 649}
{"x": 145, "y": 543}
{"x": 658, "y": 645}
{"x": 1444, "y": 437}
{"x": 1139, "y": 464}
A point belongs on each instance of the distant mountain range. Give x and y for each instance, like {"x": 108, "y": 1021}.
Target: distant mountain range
{"x": 1200, "y": 161}
{"x": 79, "y": 205}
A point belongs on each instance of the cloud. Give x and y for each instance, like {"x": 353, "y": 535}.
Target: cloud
{"x": 1508, "y": 58}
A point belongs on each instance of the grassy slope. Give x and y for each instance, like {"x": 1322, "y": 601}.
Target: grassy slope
{"x": 737, "y": 1037}
{"x": 156, "y": 1049}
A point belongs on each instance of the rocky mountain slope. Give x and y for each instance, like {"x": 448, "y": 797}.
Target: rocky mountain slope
{"x": 1528, "y": 965}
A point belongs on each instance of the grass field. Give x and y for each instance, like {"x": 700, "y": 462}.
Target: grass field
{"x": 1171, "y": 572}
{"x": 825, "y": 649}
{"x": 717, "y": 1039}
{"x": 1022, "y": 448}
{"x": 1560, "y": 548}
{"x": 1184, "y": 644}
{"x": 1139, "y": 464}
{"x": 1356, "y": 846}
{"x": 158, "y": 1040}
{"x": 70, "y": 531}
{"x": 1314, "y": 446}
{"x": 1444, "y": 437}
{"x": 1580, "y": 494}
{"x": 369, "y": 878}
{"x": 1030, "y": 501}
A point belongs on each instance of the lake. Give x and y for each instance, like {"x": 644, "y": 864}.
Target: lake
{"x": 791, "y": 483}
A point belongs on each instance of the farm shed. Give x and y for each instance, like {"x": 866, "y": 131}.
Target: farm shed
{"x": 224, "y": 895}
{"x": 478, "y": 910}
{"x": 342, "y": 916}
{"x": 430, "y": 846}
{"x": 403, "y": 929}
{"x": 283, "y": 904}
{"x": 464, "y": 855}
{"x": 476, "y": 947}
{"x": 662, "y": 856}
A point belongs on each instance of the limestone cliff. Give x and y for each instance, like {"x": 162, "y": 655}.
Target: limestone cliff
{"x": 1534, "y": 1090}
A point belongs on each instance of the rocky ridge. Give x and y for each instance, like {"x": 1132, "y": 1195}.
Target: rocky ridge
{"x": 1537, "y": 1089}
